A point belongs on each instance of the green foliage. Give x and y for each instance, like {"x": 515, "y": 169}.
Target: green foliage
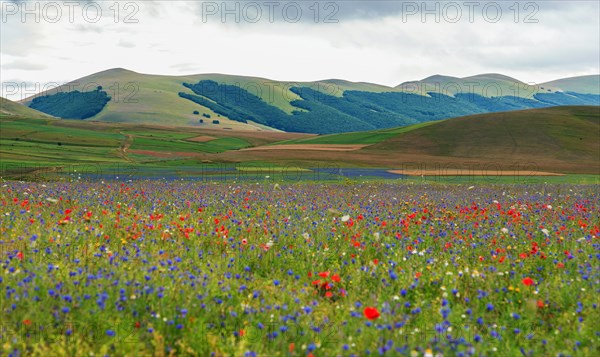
{"x": 320, "y": 113}
{"x": 72, "y": 105}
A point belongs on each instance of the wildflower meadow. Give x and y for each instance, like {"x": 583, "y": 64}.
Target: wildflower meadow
{"x": 164, "y": 268}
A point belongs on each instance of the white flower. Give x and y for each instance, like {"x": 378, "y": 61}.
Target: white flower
{"x": 549, "y": 207}
{"x": 376, "y": 235}
{"x": 504, "y": 230}
{"x": 471, "y": 187}
{"x": 545, "y": 231}
{"x": 345, "y": 218}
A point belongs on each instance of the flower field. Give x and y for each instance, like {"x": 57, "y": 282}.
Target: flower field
{"x": 157, "y": 268}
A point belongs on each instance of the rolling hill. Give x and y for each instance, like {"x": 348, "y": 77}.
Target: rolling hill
{"x": 220, "y": 101}
{"x": 583, "y": 84}
{"x": 8, "y": 107}
{"x": 556, "y": 140}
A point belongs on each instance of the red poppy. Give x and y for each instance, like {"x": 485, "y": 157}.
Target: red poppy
{"x": 324, "y": 274}
{"x": 375, "y": 261}
{"x": 336, "y": 278}
{"x": 371, "y": 313}
{"x": 540, "y": 304}
{"x": 528, "y": 281}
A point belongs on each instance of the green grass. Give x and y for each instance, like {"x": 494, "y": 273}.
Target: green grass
{"x": 213, "y": 146}
{"x": 361, "y": 137}
{"x": 8, "y": 107}
{"x": 559, "y": 133}
{"x": 561, "y": 139}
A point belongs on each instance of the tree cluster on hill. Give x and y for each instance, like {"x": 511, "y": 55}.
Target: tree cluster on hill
{"x": 72, "y": 105}
{"x": 320, "y": 113}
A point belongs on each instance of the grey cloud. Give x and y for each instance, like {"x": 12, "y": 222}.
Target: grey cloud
{"x": 322, "y": 10}
{"x": 95, "y": 28}
{"x": 24, "y": 65}
{"x": 126, "y": 44}
{"x": 185, "y": 67}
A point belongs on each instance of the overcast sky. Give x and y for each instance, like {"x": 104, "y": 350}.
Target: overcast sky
{"x": 385, "y": 42}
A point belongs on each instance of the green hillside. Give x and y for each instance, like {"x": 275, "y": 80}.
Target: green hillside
{"x": 537, "y": 135}
{"x": 559, "y": 139}
{"x": 8, "y": 107}
{"x": 228, "y": 102}
{"x": 154, "y": 99}
{"x": 582, "y": 84}
{"x": 47, "y": 142}
{"x": 565, "y": 132}
{"x": 485, "y": 85}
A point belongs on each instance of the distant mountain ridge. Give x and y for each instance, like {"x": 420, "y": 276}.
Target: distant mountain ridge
{"x": 327, "y": 106}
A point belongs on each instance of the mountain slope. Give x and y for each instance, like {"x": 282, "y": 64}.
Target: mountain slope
{"x": 558, "y": 139}
{"x": 562, "y": 133}
{"x": 147, "y": 98}
{"x": 8, "y": 107}
{"x": 220, "y": 101}
{"x": 583, "y": 84}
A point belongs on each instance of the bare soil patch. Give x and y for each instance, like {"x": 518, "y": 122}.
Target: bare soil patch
{"x": 202, "y": 139}
{"x": 310, "y": 147}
